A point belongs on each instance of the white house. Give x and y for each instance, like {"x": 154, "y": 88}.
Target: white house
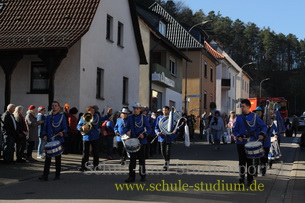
{"x": 86, "y": 53}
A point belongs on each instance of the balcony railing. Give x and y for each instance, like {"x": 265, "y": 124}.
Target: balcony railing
{"x": 161, "y": 76}
{"x": 157, "y": 68}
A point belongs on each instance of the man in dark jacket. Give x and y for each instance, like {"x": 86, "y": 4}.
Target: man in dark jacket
{"x": 9, "y": 132}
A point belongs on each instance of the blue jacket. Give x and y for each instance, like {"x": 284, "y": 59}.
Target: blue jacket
{"x": 272, "y": 130}
{"x": 55, "y": 124}
{"x": 40, "y": 117}
{"x": 139, "y": 124}
{"x": 94, "y": 133}
{"x": 121, "y": 127}
{"x": 255, "y": 124}
{"x": 162, "y": 137}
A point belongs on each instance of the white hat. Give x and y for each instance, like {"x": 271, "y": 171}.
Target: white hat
{"x": 124, "y": 110}
{"x": 137, "y": 105}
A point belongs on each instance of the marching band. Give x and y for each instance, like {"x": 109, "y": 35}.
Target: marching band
{"x": 257, "y": 137}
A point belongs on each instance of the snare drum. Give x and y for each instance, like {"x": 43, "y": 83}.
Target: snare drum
{"x": 53, "y": 148}
{"x": 254, "y": 150}
{"x": 124, "y": 137}
{"x": 132, "y": 145}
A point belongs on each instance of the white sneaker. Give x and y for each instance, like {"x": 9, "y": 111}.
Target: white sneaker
{"x": 38, "y": 157}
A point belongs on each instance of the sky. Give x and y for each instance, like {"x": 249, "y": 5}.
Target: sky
{"x": 282, "y": 16}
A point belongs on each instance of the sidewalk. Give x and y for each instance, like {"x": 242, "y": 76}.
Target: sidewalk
{"x": 296, "y": 186}
{"x": 16, "y": 172}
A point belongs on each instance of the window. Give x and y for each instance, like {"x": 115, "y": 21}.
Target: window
{"x": 39, "y": 77}
{"x": 100, "y": 84}
{"x": 109, "y": 30}
{"x": 205, "y": 70}
{"x": 172, "y": 104}
{"x": 211, "y": 74}
{"x": 173, "y": 68}
{"x": 162, "y": 28}
{"x": 125, "y": 91}
{"x": 211, "y": 98}
{"x": 120, "y": 34}
{"x": 205, "y": 100}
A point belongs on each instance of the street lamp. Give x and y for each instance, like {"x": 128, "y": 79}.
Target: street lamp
{"x": 260, "y": 86}
{"x": 185, "y": 85}
{"x": 250, "y": 63}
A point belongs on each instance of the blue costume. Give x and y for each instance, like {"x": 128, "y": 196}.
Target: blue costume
{"x": 162, "y": 138}
{"x": 55, "y": 124}
{"x": 165, "y": 142}
{"x": 94, "y": 133}
{"x": 138, "y": 125}
{"x": 121, "y": 127}
{"x": 255, "y": 127}
{"x": 52, "y": 126}
{"x": 40, "y": 117}
{"x": 91, "y": 138}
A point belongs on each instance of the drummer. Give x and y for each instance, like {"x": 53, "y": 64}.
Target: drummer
{"x": 122, "y": 128}
{"x": 55, "y": 128}
{"x": 266, "y": 141}
{"x": 140, "y": 128}
{"x": 248, "y": 127}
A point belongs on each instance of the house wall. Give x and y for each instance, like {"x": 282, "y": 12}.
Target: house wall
{"x": 144, "y": 83}
{"x": 66, "y": 82}
{"x": 117, "y": 62}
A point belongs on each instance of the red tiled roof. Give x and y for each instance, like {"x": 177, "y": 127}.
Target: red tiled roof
{"x": 215, "y": 53}
{"x": 35, "y": 24}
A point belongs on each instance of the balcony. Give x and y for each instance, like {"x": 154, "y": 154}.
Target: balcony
{"x": 161, "y": 76}
{"x": 225, "y": 84}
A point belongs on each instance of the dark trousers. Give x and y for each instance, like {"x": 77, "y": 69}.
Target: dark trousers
{"x": 264, "y": 160}
{"x": 8, "y": 148}
{"x": 47, "y": 165}
{"x": 31, "y": 145}
{"x": 166, "y": 151}
{"x": 294, "y": 130}
{"x": 245, "y": 163}
{"x": 20, "y": 147}
{"x": 95, "y": 151}
{"x": 133, "y": 162}
{"x": 122, "y": 151}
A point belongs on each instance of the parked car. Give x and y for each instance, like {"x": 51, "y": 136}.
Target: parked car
{"x": 301, "y": 122}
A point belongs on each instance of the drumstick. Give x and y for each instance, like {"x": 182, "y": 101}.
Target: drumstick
{"x": 154, "y": 139}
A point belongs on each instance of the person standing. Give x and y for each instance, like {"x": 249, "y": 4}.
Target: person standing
{"x": 55, "y": 127}
{"x": 74, "y": 135}
{"x": 295, "y": 125}
{"x": 232, "y": 120}
{"x": 91, "y": 136}
{"x": 164, "y": 140}
{"x": 121, "y": 128}
{"x": 22, "y": 133}
{"x": 32, "y": 125}
{"x": 9, "y": 131}
{"x": 140, "y": 128}
{"x": 217, "y": 129}
{"x": 41, "y": 119}
{"x": 248, "y": 127}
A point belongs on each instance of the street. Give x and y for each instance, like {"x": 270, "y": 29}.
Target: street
{"x": 194, "y": 165}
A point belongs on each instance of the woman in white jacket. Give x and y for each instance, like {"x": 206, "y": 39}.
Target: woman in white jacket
{"x": 217, "y": 128}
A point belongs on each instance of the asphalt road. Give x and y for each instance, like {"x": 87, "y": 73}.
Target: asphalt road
{"x": 195, "y": 167}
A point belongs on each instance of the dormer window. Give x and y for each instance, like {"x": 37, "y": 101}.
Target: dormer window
{"x": 162, "y": 28}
